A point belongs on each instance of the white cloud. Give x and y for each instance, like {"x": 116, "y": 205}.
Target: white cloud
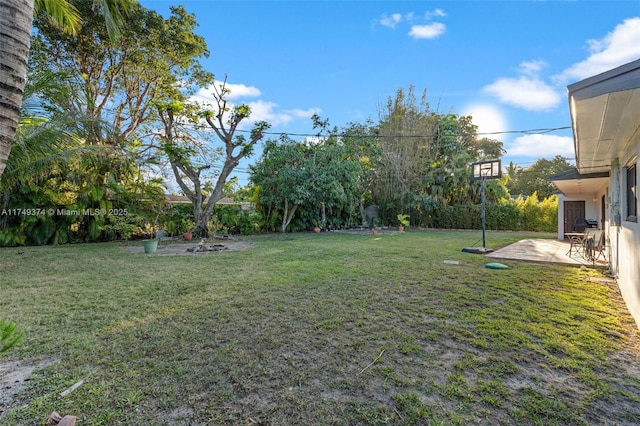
{"x": 541, "y": 146}
{"x": 619, "y": 47}
{"x": 268, "y": 111}
{"x": 489, "y": 119}
{"x": 436, "y": 12}
{"x": 242, "y": 91}
{"x": 418, "y": 31}
{"x": 525, "y": 92}
{"x": 433, "y": 30}
{"x": 391, "y": 21}
{"x": 261, "y": 110}
{"x": 236, "y": 91}
{"x": 202, "y": 96}
{"x": 532, "y": 68}
{"x": 304, "y": 113}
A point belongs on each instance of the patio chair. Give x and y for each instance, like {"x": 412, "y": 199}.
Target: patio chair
{"x": 599, "y": 249}
{"x": 577, "y": 242}
{"x": 590, "y": 242}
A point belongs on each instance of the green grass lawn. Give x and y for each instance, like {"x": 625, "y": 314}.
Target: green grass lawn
{"x": 317, "y": 329}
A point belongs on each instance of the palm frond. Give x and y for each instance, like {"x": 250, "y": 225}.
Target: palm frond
{"x": 61, "y": 13}
{"x": 48, "y": 138}
{"x": 114, "y": 12}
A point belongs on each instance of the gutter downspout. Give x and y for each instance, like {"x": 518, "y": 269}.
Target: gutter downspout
{"x": 614, "y": 218}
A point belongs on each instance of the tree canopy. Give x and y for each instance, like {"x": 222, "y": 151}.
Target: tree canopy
{"x": 309, "y": 177}
{"x": 535, "y": 179}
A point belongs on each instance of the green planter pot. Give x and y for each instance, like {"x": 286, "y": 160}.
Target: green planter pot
{"x": 150, "y": 246}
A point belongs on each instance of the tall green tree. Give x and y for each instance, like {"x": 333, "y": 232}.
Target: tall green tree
{"x": 194, "y": 149}
{"x": 320, "y": 179}
{"x": 282, "y": 179}
{"x": 407, "y": 128}
{"x": 487, "y": 149}
{"x": 362, "y": 145}
{"x": 425, "y": 156}
{"x": 16, "y": 21}
{"x": 119, "y": 81}
{"x": 526, "y": 181}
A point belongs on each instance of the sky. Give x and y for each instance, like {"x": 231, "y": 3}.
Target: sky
{"x": 506, "y": 63}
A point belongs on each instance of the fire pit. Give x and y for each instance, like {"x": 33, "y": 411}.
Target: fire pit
{"x": 204, "y": 247}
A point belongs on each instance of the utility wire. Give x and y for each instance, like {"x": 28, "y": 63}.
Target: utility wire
{"x": 325, "y": 135}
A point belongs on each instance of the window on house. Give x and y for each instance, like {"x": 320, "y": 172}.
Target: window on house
{"x": 632, "y": 194}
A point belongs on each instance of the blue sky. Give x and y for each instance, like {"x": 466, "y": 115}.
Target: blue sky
{"x": 506, "y": 63}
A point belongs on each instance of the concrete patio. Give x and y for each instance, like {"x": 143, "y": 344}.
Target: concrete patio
{"x": 544, "y": 251}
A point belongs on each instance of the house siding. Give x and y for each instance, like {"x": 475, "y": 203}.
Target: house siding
{"x": 625, "y": 238}
{"x": 604, "y": 115}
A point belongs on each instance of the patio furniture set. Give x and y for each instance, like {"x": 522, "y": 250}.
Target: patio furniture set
{"x": 590, "y": 244}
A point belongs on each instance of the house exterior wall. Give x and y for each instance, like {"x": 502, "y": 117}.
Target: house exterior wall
{"x": 624, "y": 236}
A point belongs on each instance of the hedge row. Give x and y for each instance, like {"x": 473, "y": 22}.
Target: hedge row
{"x": 512, "y": 215}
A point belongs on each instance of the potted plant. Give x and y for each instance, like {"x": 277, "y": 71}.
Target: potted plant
{"x": 403, "y": 219}
{"x": 376, "y": 225}
{"x": 186, "y": 226}
{"x": 150, "y": 246}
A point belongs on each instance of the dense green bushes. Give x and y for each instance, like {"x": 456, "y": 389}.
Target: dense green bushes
{"x": 513, "y": 215}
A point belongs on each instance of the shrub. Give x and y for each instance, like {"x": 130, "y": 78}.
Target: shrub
{"x": 506, "y": 214}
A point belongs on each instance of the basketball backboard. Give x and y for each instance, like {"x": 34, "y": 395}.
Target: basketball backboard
{"x": 490, "y": 169}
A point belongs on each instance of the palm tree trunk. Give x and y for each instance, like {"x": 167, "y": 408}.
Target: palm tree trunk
{"x": 16, "y": 17}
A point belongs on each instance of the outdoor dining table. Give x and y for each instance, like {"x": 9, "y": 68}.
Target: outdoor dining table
{"x": 577, "y": 240}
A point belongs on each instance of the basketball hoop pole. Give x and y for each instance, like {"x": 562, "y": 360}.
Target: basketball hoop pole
{"x": 482, "y": 215}
{"x": 483, "y": 170}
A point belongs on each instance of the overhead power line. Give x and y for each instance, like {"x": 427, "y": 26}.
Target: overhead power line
{"x": 327, "y": 135}
{"x": 320, "y": 135}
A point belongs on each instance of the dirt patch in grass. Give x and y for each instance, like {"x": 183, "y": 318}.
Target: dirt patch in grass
{"x": 14, "y": 376}
{"x": 187, "y": 248}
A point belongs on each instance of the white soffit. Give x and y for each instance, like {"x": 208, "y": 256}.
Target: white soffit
{"x": 587, "y": 186}
{"x": 605, "y": 111}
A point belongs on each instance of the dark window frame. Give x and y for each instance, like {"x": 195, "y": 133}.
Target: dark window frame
{"x": 631, "y": 187}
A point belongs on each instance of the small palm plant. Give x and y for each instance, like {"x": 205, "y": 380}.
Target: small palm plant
{"x": 9, "y": 335}
{"x": 403, "y": 219}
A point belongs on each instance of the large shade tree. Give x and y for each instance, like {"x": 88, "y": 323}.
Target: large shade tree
{"x": 536, "y": 178}
{"x": 50, "y": 166}
{"x": 16, "y": 21}
{"x": 193, "y": 147}
{"x": 120, "y": 81}
{"x": 425, "y": 157}
{"x": 318, "y": 178}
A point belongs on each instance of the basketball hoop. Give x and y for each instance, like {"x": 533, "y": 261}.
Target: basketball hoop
{"x": 483, "y": 170}
{"x": 490, "y": 169}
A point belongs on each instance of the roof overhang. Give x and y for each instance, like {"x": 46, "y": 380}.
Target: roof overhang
{"x": 573, "y": 183}
{"x": 605, "y": 116}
